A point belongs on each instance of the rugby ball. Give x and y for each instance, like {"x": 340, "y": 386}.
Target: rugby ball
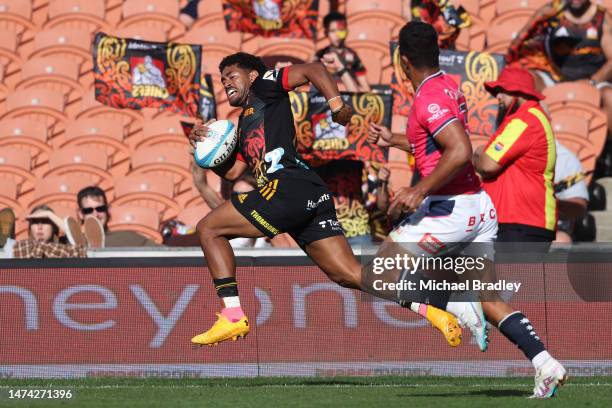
{"x": 217, "y": 146}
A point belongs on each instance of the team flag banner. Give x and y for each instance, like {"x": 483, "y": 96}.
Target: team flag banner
{"x": 469, "y": 69}
{"x": 138, "y": 74}
{"x": 320, "y": 139}
{"x": 273, "y": 18}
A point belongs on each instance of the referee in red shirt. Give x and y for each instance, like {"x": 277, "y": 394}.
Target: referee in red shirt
{"x": 518, "y": 163}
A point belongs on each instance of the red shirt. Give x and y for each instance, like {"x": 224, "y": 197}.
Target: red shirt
{"x": 437, "y": 103}
{"x": 524, "y": 145}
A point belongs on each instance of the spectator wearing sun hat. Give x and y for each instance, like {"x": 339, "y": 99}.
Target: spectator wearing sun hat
{"x": 518, "y": 163}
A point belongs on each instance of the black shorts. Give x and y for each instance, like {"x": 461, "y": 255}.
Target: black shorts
{"x": 295, "y": 202}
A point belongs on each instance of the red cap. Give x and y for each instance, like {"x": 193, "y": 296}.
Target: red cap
{"x": 514, "y": 80}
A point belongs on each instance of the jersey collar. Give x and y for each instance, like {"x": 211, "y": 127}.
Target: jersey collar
{"x": 437, "y": 74}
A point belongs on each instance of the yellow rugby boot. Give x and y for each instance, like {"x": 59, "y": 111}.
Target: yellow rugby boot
{"x": 223, "y": 330}
{"x": 446, "y": 323}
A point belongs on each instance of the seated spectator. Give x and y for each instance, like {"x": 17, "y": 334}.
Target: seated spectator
{"x": 568, "y": 41}
{"x": 93, "y": 206}
{"x": 447, "y": 19}
{"x": 44, "y": 240}
{"x": 340, "y": 60}
{"x": 7, "y": 233}
{"x": 571, "y": 192}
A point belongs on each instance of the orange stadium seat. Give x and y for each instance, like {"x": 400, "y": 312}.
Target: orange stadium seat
{"x": 101, "y": 134}
{"x": 166, "y": 131}
{"x": 364, "y": 6}
{"x": 192, "y": 215}
{"x": 26, "y": 134}
{"x": 142, "y": 33}
{"x": 398, "y": 124}
{"x": 60, "y": 192}
{"x": 576, "y": 126}
{"x": 501, "y": 32}
{"x": 160, "y": 14}
{"x": 85, "y": 15}
{"x": 401, "y": 175}
{"x": 387, "y": 14}
{"x": 54, "y": 73}
{"x": 173, "y": 162}
{"x": 16, "y": 16}
{"x": 15, "y": 165}
{"x": 130, "y": 119}
{"x": 38, "y": 104}
{"x": 398, "y": 155}
{"x": 582, "y": 148}
{"x": 519, "y": 6}
{"x": 374, "y": 55}
{"x": 474, "y": 37}
{"x": 89, "y": 163}
{"x": 147, "y": 190}
{"x": 300, "y": 48}
{"x": 139, "y": 219}
{"x": 8, "y": 195}
{"x": 9, "y": 57}
{"x": 208, "y": 11}
{"x": 364, "y": 30}
{"x": 576, "y": 92}
{"x": 214, "y": 36}
{"x": 69, "y": 43}
{"x": 4, "y": 90}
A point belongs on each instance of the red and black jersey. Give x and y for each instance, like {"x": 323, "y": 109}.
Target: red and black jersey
{"x": 266, "y": 138}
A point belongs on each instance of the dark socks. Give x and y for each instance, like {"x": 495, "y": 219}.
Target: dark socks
{"x": 518, "y": 329}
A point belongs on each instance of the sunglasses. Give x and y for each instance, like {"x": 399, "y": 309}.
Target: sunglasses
{"x": 89, "y": 210}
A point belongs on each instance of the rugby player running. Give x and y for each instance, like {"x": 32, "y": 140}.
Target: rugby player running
{"x": 447, "y": 200}
{"x": 290, "y": 196}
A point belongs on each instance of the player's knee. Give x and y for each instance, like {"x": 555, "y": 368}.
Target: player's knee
{"x": 205, "y": 229}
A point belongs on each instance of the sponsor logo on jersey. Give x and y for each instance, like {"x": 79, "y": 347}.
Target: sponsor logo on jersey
{"x": 311, "y": 205}
{"x": 499, "y": 146}
{"x": 269, "y": 190}
{"x": 262, "y": 221}
{"x": 431, "y": 244}
{"x": 436, "y": 112}
{"x": 333, "y": 224}
{"x": 242, "y": 197}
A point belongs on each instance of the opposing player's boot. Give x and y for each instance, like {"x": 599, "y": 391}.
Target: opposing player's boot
{"x": 222, "y": 330}
{"x": 548, "y": 379}
{"x": 446, "y": 323}
{"x": 470, "y": 315}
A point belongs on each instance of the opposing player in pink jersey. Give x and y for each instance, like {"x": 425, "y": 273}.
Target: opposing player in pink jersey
{"x": 447, "y": 206}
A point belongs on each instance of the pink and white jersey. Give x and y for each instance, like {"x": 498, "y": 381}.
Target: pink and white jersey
{"x": 438, "y": 102}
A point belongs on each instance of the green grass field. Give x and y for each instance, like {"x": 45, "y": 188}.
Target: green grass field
{"x": 443, "y": 392}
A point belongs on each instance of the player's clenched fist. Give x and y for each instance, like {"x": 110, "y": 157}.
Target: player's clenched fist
{"x": 199, "y": 132}
{"x": 379, "y": 135}
{"x": 343, "y": 115}
{"x": 406, "y": 199}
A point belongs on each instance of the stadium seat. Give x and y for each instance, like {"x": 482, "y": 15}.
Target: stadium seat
{"x": 141, "y": 33}
{"x": 147, "y": 190}
{"x": 53, "y": 73}
{"x": 8, "y": 195}
{"x": 41, "y": 105}
{"x": 130, "y": 119}
{"x": 165, "y": 131}
{"x": 9, "y": 58}
{"x": 26, "y": 134}
{"x": 60, "y": 192}
{"x": 89, "y": 163}
{"x": 159, "y": 14}
{"x": 363, "y": 30}
{"x": 300, "y": 48}
{"x": 374, "y": 56}
{"x": 15, "y": 165}
{"x": 173, "y": 162}
{"x": 397, "y": 155}
{"x": 69, "y": 43}
{"x": 398, "y": 124}
{"x": 520, "y": 6}
{"x": 401, "y": 175}
{"x": 214, "y": 36}
{"x": 139, "y": 219}
{"x": 563, "y": 123}
{"x": 192, "y": 215}
{"x": 85, "y": 15}
{"x": 364, "y": 6}
{"x": 576, "y": 92}
{"x": 100, "y": 134}
{"x": 473, "y": 38}
{"x": 16, "y": 16}
{"x": 502, "y": 31}
{"x": 4, "y": 89}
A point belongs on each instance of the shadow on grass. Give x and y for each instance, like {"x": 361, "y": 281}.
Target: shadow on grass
{"x": 475, "y": 393}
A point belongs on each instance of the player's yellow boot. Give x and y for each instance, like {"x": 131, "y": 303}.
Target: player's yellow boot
{"x": 446, "y": 323}
{"x": 222, "y": 330}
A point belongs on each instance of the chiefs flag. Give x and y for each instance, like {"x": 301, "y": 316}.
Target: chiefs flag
{"x": 138, "y": 74}
{"x": 320, "y": 139}
{"x": 272, "y": 18}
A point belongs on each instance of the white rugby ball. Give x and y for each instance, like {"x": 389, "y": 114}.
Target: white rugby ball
{"x": 217, "y": 146}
